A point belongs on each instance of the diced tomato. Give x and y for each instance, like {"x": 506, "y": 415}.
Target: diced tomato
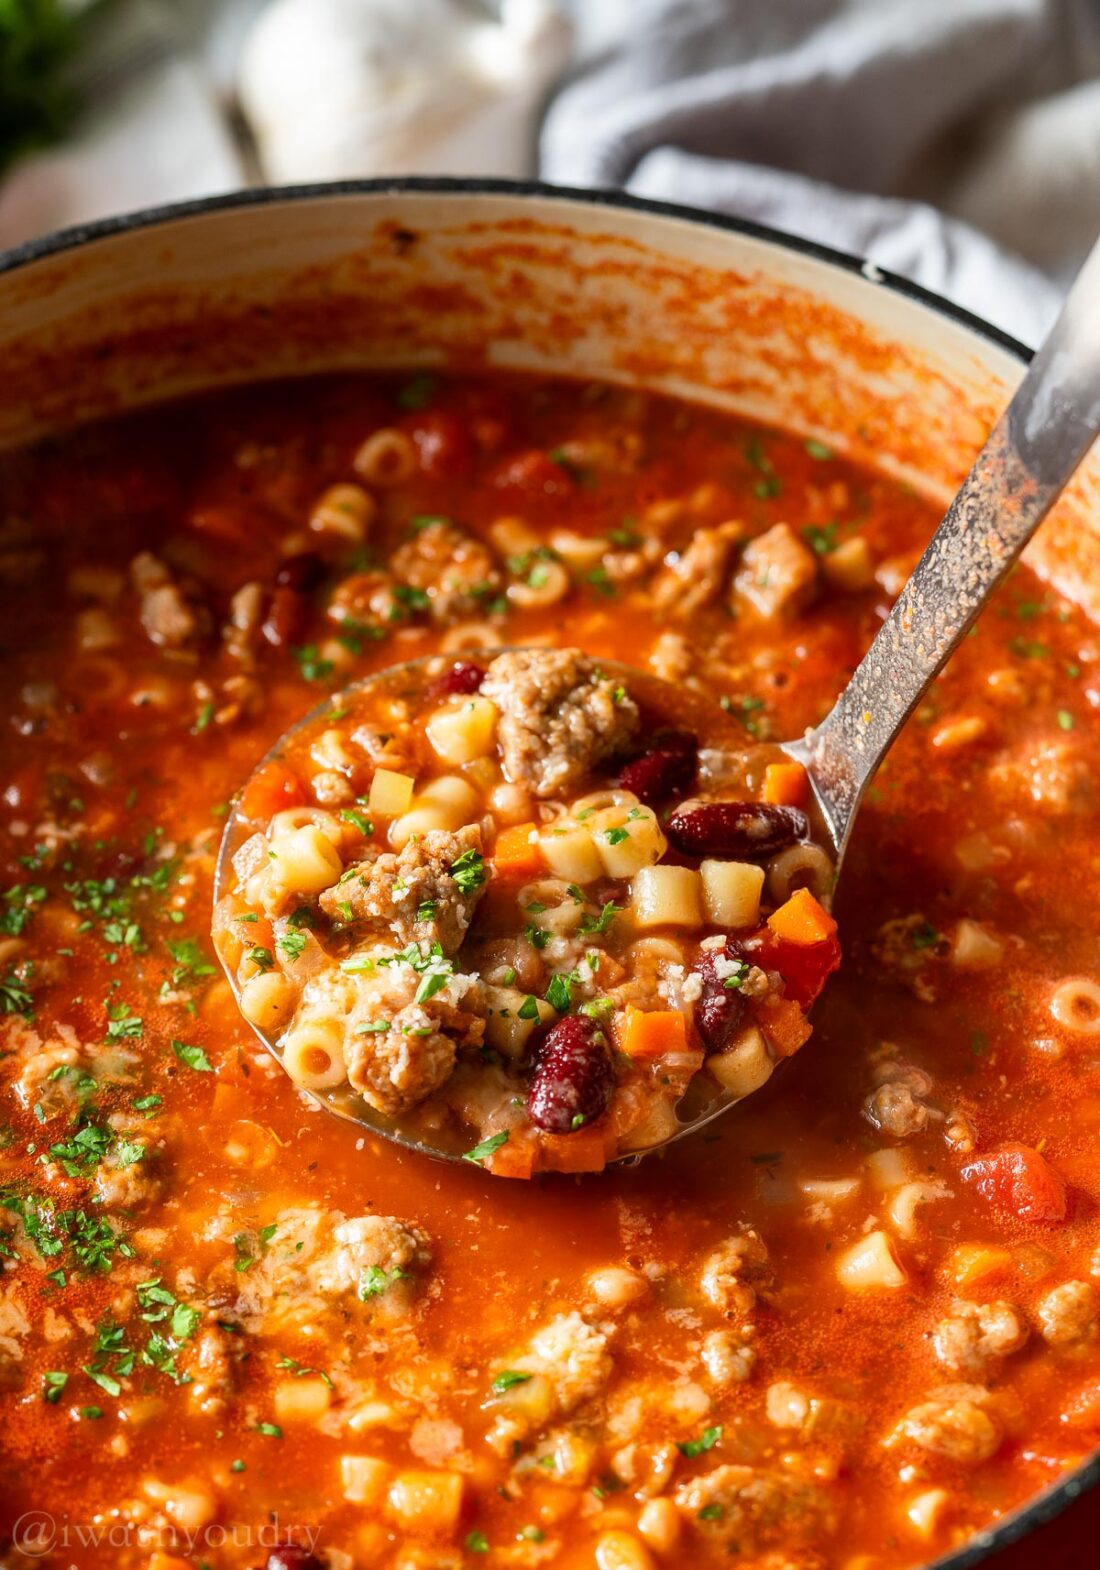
{"x": 784, "y": 1024}
{"x": 1019, "y": 1183}
{"x": 272, "y": 788}
{"x": 229, "y": 523}
{"x": 535, "y": 473}
{"x": 805, "y": 967}
{"x": 444, "y": 444}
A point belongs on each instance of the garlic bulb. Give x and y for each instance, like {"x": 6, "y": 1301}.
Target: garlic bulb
{"x": 338, "y": 89}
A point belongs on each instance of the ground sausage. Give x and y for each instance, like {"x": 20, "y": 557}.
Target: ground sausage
{"x": 696, "y": 575}
{"x": 955, "y": 1425}
{"x": 413, "y": 896}
{"x": 778, "y": 573}
{"x": 399, "y": 1051}
{"x": 754, "y": 1508}
{"x": 1069, "y": 1314}
{"x": 171, "y": 617}
{"x": 973, "y": 1337}
{"x": 455, "y": 571}
{"x": 559, "y": 716}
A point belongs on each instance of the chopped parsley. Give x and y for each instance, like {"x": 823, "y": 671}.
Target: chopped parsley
{"x": 15, "y": 998}
{"x": 192, "y": 1057}
{"x": 482, "y": 1152}
{"x": 53, "y": 1386}
{"x": 310, "y": 663}
{"x": 262, "y": 958}
{"x": 292, "y": 944}
{"x": 191, "y": 962}
{"x": 706, "y": 1441}
{"x": 818, "y": 449}
{"x": 373, "y": 1281}
{"x": 602, "y": 922}
{"x": 358, "y": 820}
{"x": 508, "y": 1379}
{"x": 468, "y": 871}
{"x": 559, "y": 994}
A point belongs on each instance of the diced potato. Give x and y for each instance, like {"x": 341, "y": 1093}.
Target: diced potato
{"x": 667, "y": 896}
{"x": 390, "y": 793}
{"x": 871, "y": 1265}
{"x": 973, "y": 947}
{"x": 306, "y": 861}
{"x": 301, "y": 1400}
{"x": 659, "y": 1125}
{"x": 569, "y": 852}
{"x": 890, "y": 1167}
{"x": 744, "y": 1065}
{"x": 850, "y": 566}
{"x": 506, "y": 1030}
{"x": 731, "y": 893}
{"x": 427, "y": 1504}
{"x": 926, "y": 1512}
{"x": 531, "y": 1400}
{"x": 464, "y": 731}
{"x": 365, "y": 1479}
{"x": 626, "y": 839}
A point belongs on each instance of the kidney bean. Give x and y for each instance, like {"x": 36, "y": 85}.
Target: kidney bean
{"x": 287, "y": 617}
{"x": 292, "y": 1556}
{"x": 443, "y": 443}
{"x": 745, "y": 829}
{"x": 574, "y": 1078}
{"x": 301, "y": 572}
{"x": 719, "y": 1008}
{"x": 666, "y": 769}
{"x": 463, "y": 678}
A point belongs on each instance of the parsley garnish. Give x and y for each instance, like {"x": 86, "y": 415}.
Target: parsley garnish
{"x": 193, "y": 1057}
{"x": 373, "y": 1281}
{"x": 487, "y": 1147}
{"x": 506, "y": 1380}
{"x": 468, "y": 871}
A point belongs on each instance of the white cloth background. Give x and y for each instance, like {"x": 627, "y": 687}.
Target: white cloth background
{"x": 954, "y": 141}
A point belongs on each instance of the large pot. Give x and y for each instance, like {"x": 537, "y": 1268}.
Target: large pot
{"x": 418, "y": 272}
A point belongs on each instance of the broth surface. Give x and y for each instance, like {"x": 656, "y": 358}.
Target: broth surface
{"x": 847, "y": 1326}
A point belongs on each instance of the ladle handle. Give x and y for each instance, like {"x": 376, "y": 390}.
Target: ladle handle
{"x": 1028, "y": 459}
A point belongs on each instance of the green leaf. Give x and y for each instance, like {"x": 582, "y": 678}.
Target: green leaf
{"x": 468, "y": 871}
{"x": 373, "y": 1281}
{"x": 193, "y": 1057}
{"x": 53, "y": 1386}
{"x": 508, "y": 1380}
{"x": 706, "y": 1441}
{"x": 483, "y": 1151}
{"x": 819, "y": 450}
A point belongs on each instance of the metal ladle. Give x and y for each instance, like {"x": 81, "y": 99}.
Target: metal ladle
{"x": 1029, "y": 457}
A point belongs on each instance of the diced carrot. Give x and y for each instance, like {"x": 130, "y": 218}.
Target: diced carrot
{"x": 583, "y": 1151}
{"x": 515, "y": 1159}
{"x": 802, "y": 920}
{"x": 971, "y": 1264}
{"x": 642, "y": 1033}
{"x": 516, "y": 853}
{"x": 786, "y": 784}
{"x": 784, "y": 1024}
{"x": 272, "y": 788}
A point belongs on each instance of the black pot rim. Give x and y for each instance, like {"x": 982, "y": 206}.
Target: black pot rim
{"x": 1055, "y": 1499}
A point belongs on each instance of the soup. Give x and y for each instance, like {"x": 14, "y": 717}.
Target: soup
{"x": 848, "y": 1324}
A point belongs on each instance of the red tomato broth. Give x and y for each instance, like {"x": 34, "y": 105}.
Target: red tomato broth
{"x": 506, "y": 1258}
